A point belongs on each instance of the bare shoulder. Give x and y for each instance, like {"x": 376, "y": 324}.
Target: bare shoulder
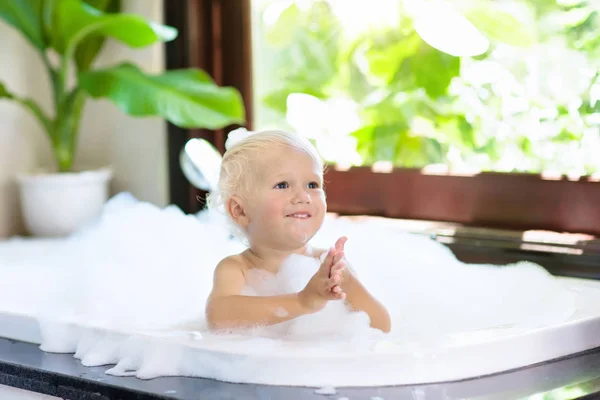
{"x": 229, "y": 276}
{"x": 231, "y": 264}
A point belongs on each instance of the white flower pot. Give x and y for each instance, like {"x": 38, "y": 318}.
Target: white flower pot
{"x": 57, "y": 204}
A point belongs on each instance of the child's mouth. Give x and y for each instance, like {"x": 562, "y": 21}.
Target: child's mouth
{"x": 299, "y": 215}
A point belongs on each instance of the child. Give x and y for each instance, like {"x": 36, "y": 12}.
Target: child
{"x": 271, "y": 187}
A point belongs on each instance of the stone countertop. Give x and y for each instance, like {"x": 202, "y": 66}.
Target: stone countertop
{"x": 24, "y": 366}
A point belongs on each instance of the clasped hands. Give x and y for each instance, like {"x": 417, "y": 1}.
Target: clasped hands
{"x": 326, "y": 283}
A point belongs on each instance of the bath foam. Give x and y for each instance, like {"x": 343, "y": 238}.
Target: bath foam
{"x": 130, "y": 290}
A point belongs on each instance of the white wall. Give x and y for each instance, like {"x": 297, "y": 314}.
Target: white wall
{"x": 135, "y": 148}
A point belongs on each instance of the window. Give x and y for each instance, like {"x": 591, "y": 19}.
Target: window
{"x": 442, "y": 93}
{"x": 418, "y": 141}
{"x": 448, "y": 86}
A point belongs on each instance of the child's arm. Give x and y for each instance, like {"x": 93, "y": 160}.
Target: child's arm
{"x": 226, "y": 308}
{"x": 359, "y": 299}
{"x": 357, "y": 296}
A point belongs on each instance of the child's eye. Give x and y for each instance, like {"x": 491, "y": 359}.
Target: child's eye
{"x": 313, "y": 185}
{"x": 282, "y": 185}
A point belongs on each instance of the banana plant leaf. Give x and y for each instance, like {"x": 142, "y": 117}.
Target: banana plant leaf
{"x": 24, "y": 15}
{"x": 187, "y": 98}
{"x": 76, "y": 21}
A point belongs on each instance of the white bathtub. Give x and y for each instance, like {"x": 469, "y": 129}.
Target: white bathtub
{"x": 466, "y": 356}
{"x": 456, "y": 357}
{"x": 19, "y": 327}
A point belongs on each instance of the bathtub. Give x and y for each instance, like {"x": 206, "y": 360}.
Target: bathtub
{"x": 19, "y": 327}
{"x": 469, "y": 355}
{"x": 456, "y": 357}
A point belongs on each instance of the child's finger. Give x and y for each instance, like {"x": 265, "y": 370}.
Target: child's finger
{"x": 339, "y": 244}
{"x": 338, "y": 267}
{"x": 336, "y": 258}
{"x": 331, "y": 282}
{"x": 328, "y": 262}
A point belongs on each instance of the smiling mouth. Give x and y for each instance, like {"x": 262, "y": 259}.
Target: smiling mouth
{"x": 299, "y": 215}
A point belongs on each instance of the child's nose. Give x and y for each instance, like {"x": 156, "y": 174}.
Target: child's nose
{"x": 301, "y": 196}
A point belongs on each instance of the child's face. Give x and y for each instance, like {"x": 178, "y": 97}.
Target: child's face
{"x": 288, "y": 206}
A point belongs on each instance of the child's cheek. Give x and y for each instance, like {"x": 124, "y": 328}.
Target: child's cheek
{"x": 273, "y": 209}
{"x": 323, "y": 199}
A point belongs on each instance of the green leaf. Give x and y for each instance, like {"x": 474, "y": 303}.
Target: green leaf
{"x": 187, "y": 98}
{"x": 498, "y": 24}
{"x": 386, "y": 139}
{"x": 47, "y": 20}
{"x": 458, "y": 132}
{"x": 567, "y": 136}
{"x": 277, "y": 99}
{"x": 311, "y": 58}
{"x": 433, "y": 70}
{"x": 357, "y": 83}
{"x": 491, "y": 148}
{"x": 314, "y": 61}
{"x": 4, "y": 92}
{"x": 88, "y": 50}
{"x": 379, "y": 142}
{"x": 433, "y": 150}
{"x": 24, "y": 15}
{"x": 75, "y": 21}
{"x": 29, "y": 105}
{"x": 388, "y": 52}
{"x": 418, "y": 151}
{"x": 283, "y": 30}
{"x": 526, "y": 145}
{"x": 365, "y": 143}
{"x": 101, "y": 5}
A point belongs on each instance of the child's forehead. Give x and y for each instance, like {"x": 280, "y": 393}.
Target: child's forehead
{"x": 285, "y": 155}
{"x": 283, "y": 160}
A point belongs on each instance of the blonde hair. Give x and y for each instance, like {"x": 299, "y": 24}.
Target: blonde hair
{"x": 239, "y": 159}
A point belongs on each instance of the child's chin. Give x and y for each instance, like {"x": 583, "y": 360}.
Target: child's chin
{"x": 299, "y": 239}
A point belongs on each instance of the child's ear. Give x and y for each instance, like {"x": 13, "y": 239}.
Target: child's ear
{"x": 235, "y": 209}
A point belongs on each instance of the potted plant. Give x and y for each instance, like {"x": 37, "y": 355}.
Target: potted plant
{"x": 69, "y": 34}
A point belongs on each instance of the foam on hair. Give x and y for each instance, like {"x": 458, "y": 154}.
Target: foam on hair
{"x": 239, "y": 163}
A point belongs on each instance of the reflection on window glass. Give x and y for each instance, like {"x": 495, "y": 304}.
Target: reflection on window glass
{"x": 459, "y": 85}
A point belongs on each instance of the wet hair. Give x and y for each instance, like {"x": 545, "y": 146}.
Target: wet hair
{"x": 240, "y": 159}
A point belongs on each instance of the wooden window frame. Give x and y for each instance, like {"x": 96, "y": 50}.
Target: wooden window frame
{"x": 512, "y": 202}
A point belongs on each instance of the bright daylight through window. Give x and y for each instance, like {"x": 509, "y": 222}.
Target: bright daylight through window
{"x": 457, "y": 86}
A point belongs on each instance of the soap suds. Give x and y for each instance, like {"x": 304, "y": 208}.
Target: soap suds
{"x": 281, "y": 312}
{"x": 130, "y": 290}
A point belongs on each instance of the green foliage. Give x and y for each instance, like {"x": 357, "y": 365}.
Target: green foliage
{"x": 76, "y": 30}
{"x": 4, "y": 92}
{"x": 25, "y": 16}
{"x": 75, "y": 21}
{"x": 179, "y": 96}
{"x": 418, "y": 105}
{"x": 499, "y": 24}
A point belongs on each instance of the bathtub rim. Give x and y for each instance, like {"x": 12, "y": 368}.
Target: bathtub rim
{"x": 442, "y": 365}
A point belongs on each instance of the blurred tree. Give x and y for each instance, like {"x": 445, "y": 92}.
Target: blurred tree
{"x": 476, "y": 84}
